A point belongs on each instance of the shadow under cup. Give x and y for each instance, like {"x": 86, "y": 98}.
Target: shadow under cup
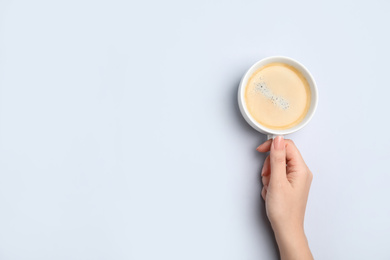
{"x": 271, "y": 133}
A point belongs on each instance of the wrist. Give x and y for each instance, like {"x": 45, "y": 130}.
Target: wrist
{"x": 288, "y": 229}
{"x": 292, "y": 242}
{"x": 289, "y": 234}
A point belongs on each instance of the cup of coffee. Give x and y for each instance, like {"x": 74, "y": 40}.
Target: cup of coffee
{"x": 277, "y": 96}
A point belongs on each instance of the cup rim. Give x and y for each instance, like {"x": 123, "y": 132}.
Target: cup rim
{"x": 289, "y": 61}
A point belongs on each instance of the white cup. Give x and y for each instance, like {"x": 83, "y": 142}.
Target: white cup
{"x": 271, "y": 133}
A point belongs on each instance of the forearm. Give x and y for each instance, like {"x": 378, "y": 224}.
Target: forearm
{"x": 293, "y": 245}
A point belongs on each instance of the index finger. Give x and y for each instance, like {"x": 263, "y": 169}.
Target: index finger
{"x": 265, "y": 147}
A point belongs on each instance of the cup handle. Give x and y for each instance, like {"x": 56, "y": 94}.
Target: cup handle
{"x": 273, "y": 136}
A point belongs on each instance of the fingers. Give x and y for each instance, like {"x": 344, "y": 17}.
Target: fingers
{"x": 265, "y": 147}
{"x": 293, "y": 159}
{"x": 265, "y": 180}
{"x": 265, "y": 173}
{"x": 266, "y": 167}
{"x": 264, "y": 192}
{"x": 278, "y": 160}
{"x": 292, "y": 153}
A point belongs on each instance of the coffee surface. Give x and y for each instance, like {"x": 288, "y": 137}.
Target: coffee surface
{"x": 277, "y": 96}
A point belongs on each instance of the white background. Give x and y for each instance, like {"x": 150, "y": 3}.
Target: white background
{"x": 120, "y": 135}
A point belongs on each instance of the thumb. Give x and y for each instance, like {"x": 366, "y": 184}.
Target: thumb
{"x": 278, "y": 160}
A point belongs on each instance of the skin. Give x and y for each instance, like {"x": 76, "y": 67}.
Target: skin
{"x": 286, "y": 179}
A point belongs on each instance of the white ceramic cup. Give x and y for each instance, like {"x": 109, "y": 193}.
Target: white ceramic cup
{"x": 271, "y": 133}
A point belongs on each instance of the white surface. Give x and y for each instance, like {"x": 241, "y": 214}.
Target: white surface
{"x": 120, "y": 135}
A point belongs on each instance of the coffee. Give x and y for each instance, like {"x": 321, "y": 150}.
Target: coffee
{"x": 278, "y": 96}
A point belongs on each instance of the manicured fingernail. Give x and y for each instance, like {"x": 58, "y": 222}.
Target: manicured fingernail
{"x": 258, "y": 149}
{"x": 279, "y": 143}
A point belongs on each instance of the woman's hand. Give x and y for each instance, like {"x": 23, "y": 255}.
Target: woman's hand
{"x": 286, "y": 180}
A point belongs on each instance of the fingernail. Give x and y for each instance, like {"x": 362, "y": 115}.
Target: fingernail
{"x": 257, "y": 149}
{"x": 266, "y": 187}
{"x": 279, "y": 143}
{"x": 262, "y": 171}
